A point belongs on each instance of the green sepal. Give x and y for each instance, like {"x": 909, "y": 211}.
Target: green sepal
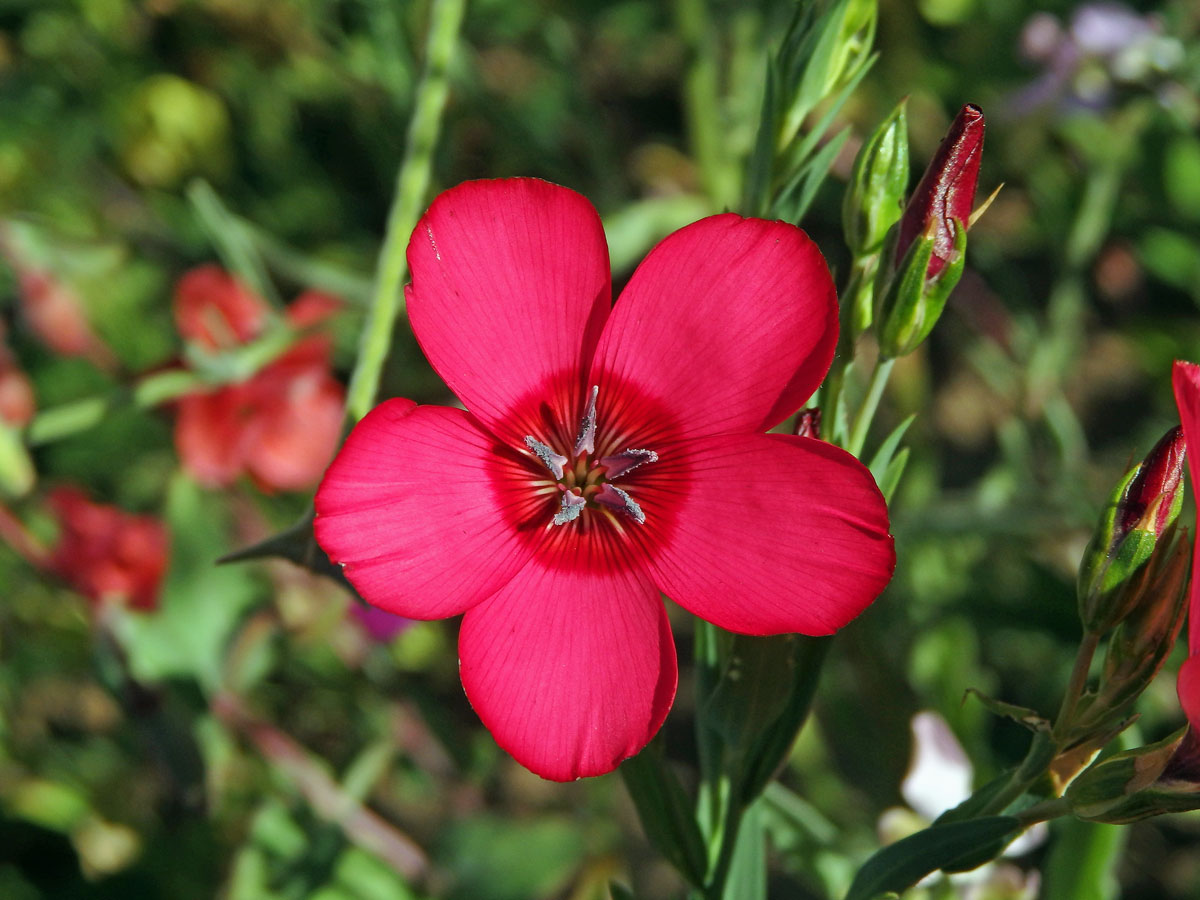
{"x": 910, "y": 303}
{"x": 899, "y": 866}
{"x": 665, "y": 812}
{"x": 874, "y": 198}
{"x": 1106, "y": 787}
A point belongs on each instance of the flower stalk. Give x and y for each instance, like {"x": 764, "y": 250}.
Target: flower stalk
{"x": 412, "y": 187}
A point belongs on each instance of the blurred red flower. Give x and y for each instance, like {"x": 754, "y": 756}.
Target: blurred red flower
{"x": 280, "y": 425}
{"x": 106, "y": 554}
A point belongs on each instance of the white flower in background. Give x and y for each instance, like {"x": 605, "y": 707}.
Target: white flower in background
{"x": 940, "y": 777}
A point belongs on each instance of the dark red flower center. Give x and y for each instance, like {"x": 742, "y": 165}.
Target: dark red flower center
{"x": 582, "y": 478}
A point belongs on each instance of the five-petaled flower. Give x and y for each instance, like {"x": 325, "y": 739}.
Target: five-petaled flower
{"x": 610, "y": 452}
{"x": 280, "y": 425}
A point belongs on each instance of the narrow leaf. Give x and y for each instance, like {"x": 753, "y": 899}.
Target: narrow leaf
{"x": 666, "y": 813}
{"x": 902, "y": 864}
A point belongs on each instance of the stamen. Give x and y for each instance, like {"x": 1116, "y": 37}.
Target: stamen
{"x": 551, "y": 460}
{"x": 572, "y": 506}
{"x": 615, "y": 498}
{"x": 585, "y": 442}
{"x": 626, "y": 461}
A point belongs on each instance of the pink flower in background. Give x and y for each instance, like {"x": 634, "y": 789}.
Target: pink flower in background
{"x": 281, "y": 425}
{"x": 107, "y": 555}
{"x": 379, "y": 624}
{"x": 609, "y": 453}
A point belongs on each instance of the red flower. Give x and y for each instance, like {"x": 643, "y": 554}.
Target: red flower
{"x": 610, "y": 452}
{"x": 106, "y": 554}
{"x": 1186, "y": 377}
{"x": 282, "y": 424}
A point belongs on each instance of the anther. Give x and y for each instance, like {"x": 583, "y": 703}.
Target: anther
{"x": 617, "y": 499}
{"x": 572, "y": 506}
{"x": 585, "y": 442}
{"x": 626, "y": 461}
{"x": 551, "y": 460}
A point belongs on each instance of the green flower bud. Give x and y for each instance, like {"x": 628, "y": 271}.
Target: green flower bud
{"x": 875, "y": 195}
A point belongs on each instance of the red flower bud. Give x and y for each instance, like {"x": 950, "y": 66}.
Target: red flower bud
{"x": 808, "y": 423}
{"x": 947, "y": 189}
{"x": 1155, "y": 491}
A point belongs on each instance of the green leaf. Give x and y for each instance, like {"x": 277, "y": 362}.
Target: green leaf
{"x": 747, "y": 877}
{"x": 892, "y": 475}
{"x": 666, "y": 813}
{"x": 771, "y": 748}
{"x": 202, "y": 602}
{"x": 901, "y": 865}
{"x": 1022, "y": 715}
{"x": 883, "y": 456}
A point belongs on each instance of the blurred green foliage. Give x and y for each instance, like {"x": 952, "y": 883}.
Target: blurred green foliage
{"x": 140, "y": 138}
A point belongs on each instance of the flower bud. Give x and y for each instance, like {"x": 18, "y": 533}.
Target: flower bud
{"x": 1141, "y": 510}
{"x": 808, "y": 422}
{"x": 946, "y": 193}
{"x": 1127, "y": 786}
{"x": 875, "y": 195}
{"x": 908, "y": 302}
{"x": 926, "y": 250}
{"x": 1142, "y": 642}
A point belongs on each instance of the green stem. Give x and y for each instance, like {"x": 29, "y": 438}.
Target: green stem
{"x": 1037, "y": 760}
{"x": 66, "y": 419}
{"x": 412, "y": 185}
{"x": 866, "y": 412}
{"x": 1077, "y": 684}
{"x": 1044, "y": 811}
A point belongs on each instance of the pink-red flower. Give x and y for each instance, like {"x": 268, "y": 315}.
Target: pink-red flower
{"x": 108, "y": 555}
{"x": 609, "y": 453}
{"x": 281, "y": 425}
{"x": 1186, "y": 377}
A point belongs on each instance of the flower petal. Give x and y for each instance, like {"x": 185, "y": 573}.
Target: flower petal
{"x": 1187, "y": 685}
{"x": 1186, "y": 379}
{"x": 510, "y": 288}
{"x": 410, "y": 509}
{"x": 213, "y": 434}
{"x": 300, "y": 411}
{"x": 730, "y": 323}
{"x": 770, "y": 534}
{"x": 571, "y": 670}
